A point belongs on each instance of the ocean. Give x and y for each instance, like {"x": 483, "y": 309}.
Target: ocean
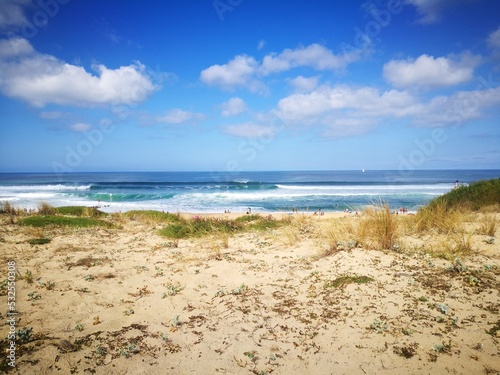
{"x": 216, "y": 192}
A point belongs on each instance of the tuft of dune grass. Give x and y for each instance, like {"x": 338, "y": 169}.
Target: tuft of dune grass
{"x": 378, "y": 228}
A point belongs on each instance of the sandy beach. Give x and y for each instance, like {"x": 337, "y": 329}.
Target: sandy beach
{"x": 125, "y": 300}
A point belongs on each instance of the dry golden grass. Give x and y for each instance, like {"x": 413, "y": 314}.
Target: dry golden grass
{"x": 338, "y": 233}
{"x": 440, "y": 218}
{"x": 378, "y": 228}
{"x": 489, "y": 225}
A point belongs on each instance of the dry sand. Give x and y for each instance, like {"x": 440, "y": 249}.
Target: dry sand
{"x": 125, "y": 301}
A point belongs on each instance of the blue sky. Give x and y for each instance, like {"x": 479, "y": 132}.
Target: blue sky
{"x": 249, "y": 85}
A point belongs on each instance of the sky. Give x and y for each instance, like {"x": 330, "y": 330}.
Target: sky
{"x": 235, "y": 85}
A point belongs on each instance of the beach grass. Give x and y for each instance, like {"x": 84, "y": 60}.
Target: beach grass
{"x": 474, "y": 197}
{"x": 152, "y": 216}
{"x": 63, "y": 221}
{"x": 378, "y": 227}
{"x": 80, "y": 211}
{"x": 202, "y": 226}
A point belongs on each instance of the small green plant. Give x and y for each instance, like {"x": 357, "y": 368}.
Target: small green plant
{"x": 24, "y": 334}
{"x": 345, "y": 280}
{"x": 493, "y": 331}
{"x": 128, "y": 311}
{"x": 439, "y": 348}
{"x": 176, "y": 321}
{"x": 379, "y": 326}
{"x": 88, "y": 278}
{"x": 443, "y": 308}
{"x": 79, "y": 327}
{"x": 28, "y": 277}
{"x": 220, "y": 293}
{"x": 39, "y": 241}
{"x": 172, "y": 289}
{"x": 472, "y": 280}
{"x": 457, "y": 266}
{"x": 164, "y": 336}
{"x": 34, "y": 296}
{"x": 423, "y": 299}
{"x": 407, "y": 331}
{"x": 141, "y": 269}
{"x": 99, "y": 350}
{"x": 50, "y": 285}
{"x": 240, "y": 290}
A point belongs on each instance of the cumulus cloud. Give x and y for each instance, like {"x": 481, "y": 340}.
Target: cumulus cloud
{"x": 249, "y": 130}
{"x": 304, "y": 84}
{"x": 245, "y": 71}
{"x": 41, "y": 79}
{"x": 366, "y": 101}
{"x": 80, "y": 127}
{"x": 233, "y": 107}
{"x": 179, "y": 116}
{"x": 431, "y": 10}
{"x": 236, "y": 72}
{"x": 428, "y": 71}
{"x": 344, "y": 111}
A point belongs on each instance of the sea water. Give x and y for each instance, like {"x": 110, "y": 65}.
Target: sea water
{"x": 279, "y": 191}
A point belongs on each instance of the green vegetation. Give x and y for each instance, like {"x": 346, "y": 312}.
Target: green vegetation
{"x": 152, "y": 216}
{"x": 80, "y": 211}
{"x": 475, "y": 196}
{"x": 52, "y": 220}
{"x": 198, "y": 226}
{"x": 344, "y": 280}
{"x": 39, "y": 241}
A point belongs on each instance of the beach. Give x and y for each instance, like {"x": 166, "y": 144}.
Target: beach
{"x": 124, "y": 299}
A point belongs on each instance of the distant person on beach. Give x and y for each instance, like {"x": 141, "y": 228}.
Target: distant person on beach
{"x": 456, "y": 184}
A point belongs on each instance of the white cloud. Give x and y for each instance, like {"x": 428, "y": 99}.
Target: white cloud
{"x": 344, "y": 111}
{"x": 233, "y": 107}
{"x": 457, "y": 109}
{"x": 42, "y": 79}
{"x": 304, "y": 84}
{"x": 261, "y": 44}
{"x": 14, "y": 47}
{"x": 12, "y": 13}
{"x": 80, "y": 127}
{"x": 428, "y": 71}
{"x": 315, "y": 56}
{"x": 178, "y": 116}
{"x": 430, "y": 10}
{"x": 249, "y": 130}
{"x": 245, "y": 71}
{"x": 364, "y": 101}
{"x": 236, "y": 72}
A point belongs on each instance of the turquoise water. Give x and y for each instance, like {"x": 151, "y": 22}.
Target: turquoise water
{"x": 220, "y": 191}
